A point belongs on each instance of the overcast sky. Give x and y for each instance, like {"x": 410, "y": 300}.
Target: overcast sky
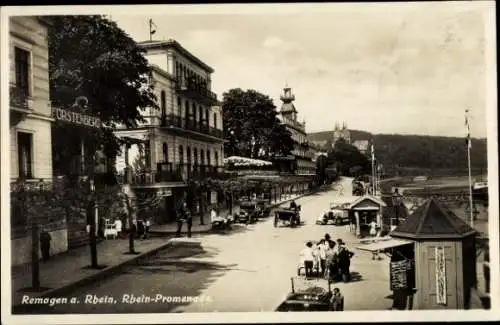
{"x": 388, "y": 68}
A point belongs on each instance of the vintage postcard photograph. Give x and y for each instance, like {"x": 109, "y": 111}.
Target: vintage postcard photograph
{"x": 249, "y": 163}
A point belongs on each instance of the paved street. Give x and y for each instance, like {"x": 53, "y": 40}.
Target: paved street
{"x": 246, "y": 270}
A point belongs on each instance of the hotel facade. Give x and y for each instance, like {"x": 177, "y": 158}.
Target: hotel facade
{"x": 30, "y": 114}
{"x": 183, "y": 139}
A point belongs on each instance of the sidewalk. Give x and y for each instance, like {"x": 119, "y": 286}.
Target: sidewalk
{"x": 171, "y": 228}
{"x": 69, "y": 270}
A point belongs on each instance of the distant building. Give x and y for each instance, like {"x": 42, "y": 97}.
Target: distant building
{"x": 341, "y": 133}
{"x": 362, "y": 145}
{"x": 303, "y": 154}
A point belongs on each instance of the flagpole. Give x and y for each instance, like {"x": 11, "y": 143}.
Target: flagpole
{"x": 373, "y": 170}
{"x": 469, "y": 168}
{"x": 470, "y": 189}
{"x": 150, "y": 29}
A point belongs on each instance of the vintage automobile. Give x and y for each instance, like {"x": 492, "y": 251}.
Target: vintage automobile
{"x": 249, "y": 212}
{"x": 337, "y": 214}
{"x": 288, "y": 216}
{"x": 222, "y": 223}
{"x": 307, "y": 295}
{"x": 265, "y": 207}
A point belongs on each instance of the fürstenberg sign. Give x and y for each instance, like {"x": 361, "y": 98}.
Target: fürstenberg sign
{"x": 77, "y": 118}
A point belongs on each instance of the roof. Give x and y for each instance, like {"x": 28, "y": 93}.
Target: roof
{"x": 375, "y": 200}
{"x": 384, "y": 245}
{"x": 175, "y": 45}
{"x": 432, "y": 221}
{"x": 288, "y": 107}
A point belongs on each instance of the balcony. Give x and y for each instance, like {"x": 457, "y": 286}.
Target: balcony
{"x": 202, "y": 172}
{"x": 20, "y": 104}
{"x": 144, "y": 179}
{"x": 202, "y": 127}
{"x": 195, "y": 91}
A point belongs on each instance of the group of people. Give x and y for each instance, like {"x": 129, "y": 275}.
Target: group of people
{"x": 140, "y": 228}
{"x": 331, "y": 259}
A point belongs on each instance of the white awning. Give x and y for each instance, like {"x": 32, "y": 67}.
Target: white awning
{"x": 383, "y": 245}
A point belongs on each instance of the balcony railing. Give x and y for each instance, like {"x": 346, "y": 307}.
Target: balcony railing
{"x": 168, "y": 172}
{"x": 149, "y": 178}
{"x": 195, "y": 91}
{"x": 19, "y": 98}
{"x": 172, "y": 120}
{"x": 202, "y": 171}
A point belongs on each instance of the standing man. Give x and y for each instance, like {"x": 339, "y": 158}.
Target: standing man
{"x": 189, "y": 222}
{"x": 147, "y": 224}
{"x": 180, "y": 217}
{"x": 344, "y": 258}
{"x": 337, "y": 300}
{"x": 45, "y": 239}
{"x": 307, "y": 255}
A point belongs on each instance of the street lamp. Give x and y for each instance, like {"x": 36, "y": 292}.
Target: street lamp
{"x": 252, "y": 142}
{"x": 92, "y": 225}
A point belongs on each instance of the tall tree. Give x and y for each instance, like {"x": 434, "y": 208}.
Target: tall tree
{"x": 348, "y": 159}
{"x": 91, "y": 56}
{"x": 252, "y": 126}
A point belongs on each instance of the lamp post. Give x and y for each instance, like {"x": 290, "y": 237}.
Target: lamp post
{"x": 92, "y": 225}
{"x": 252, "y": 142}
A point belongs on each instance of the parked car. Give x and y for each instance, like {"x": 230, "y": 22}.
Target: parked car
{"x": 336, "y": 213}
{"x": 309, "y": 297}
{"x": 265, "y": 207}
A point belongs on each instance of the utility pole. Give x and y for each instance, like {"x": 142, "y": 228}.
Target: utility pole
{"x": 468, "y": 141}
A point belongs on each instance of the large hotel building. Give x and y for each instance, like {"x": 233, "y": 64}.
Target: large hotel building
{"x": 183, "y": 139}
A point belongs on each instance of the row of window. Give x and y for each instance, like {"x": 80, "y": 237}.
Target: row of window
{"x": 194, "y": 158}
{"x": 183, "y": 72}
{"x": 190, "y": 111}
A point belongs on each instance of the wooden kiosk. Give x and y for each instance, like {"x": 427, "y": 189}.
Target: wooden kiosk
{"x": 445, "y": 257}
{"x": 365, "y": 209}
{"x": 433, "y": 259}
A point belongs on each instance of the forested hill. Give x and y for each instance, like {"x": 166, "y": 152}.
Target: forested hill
{"x": 419, "y": 151}
{"x": 429, "y": 152}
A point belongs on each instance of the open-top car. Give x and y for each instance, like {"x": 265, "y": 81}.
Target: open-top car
{"x": 290, "y": 216}
{"x": 337, "y": 213}
{"x": 249, "y": 212}
{"x": 308, "y": 295}
{"x": 265, "y": 207}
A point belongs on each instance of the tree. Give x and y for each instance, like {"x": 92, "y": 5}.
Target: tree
{"x": 91, "y": 56}
{"x": 133, "y": 206}
{"x": 252, "y": 127}
{"x": 348, "y": 159}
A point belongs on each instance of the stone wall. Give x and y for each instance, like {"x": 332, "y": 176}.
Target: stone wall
{"x": 21, "y": 242}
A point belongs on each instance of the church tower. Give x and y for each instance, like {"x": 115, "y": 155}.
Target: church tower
{"x": 341, "y": 133}
{"x": 288, "y": 110}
